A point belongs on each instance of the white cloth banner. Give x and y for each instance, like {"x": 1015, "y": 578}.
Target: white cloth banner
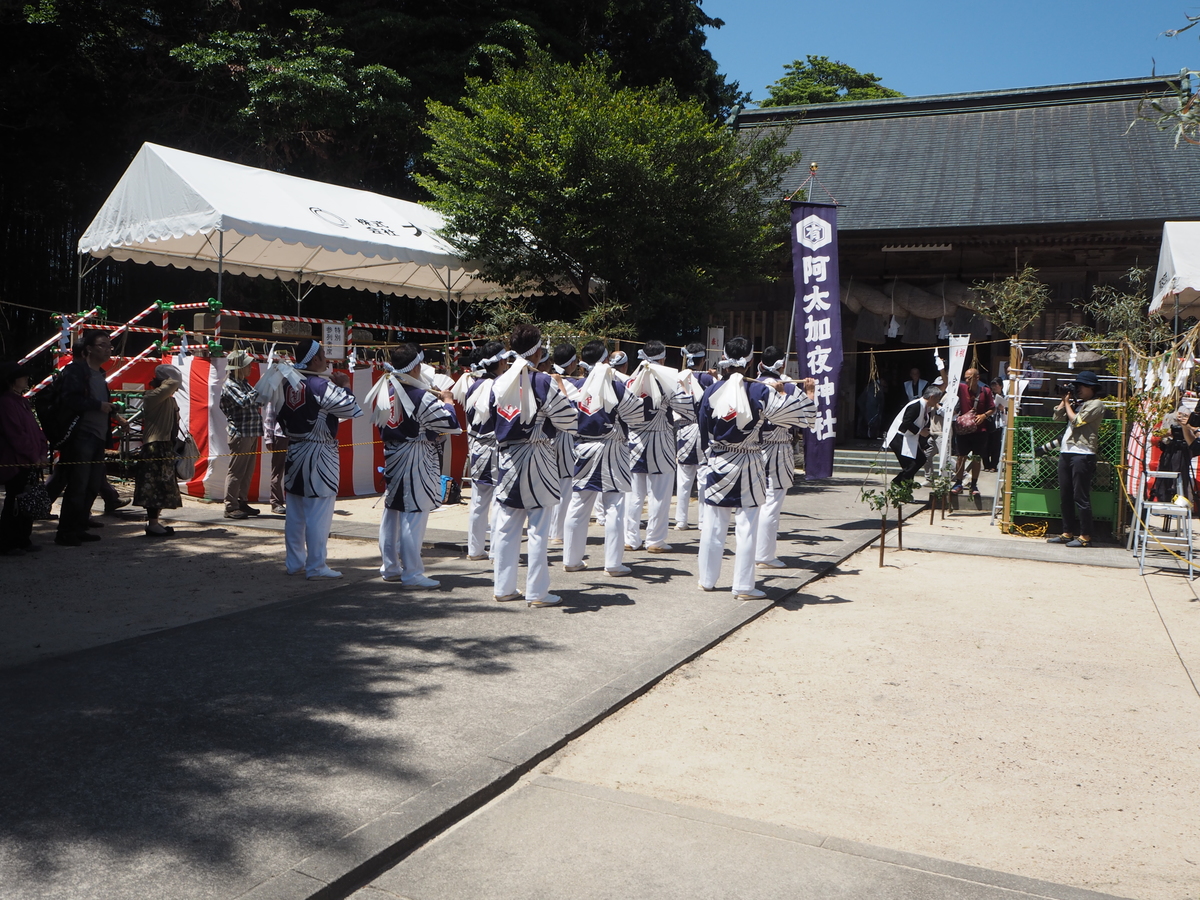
{"x": 958, "y": 360}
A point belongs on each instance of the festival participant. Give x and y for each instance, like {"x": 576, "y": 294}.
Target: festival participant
{"x": 732, "y": 414}
{"x": 275, "y": 444}
{"x": 602, "y": 466}
{"x": 243, "y": 422}
{"x": 408, "y": 413}
{"x": 474, "y": 393}
{"x": 310, "y": 404}
{"x": 652, "y": 448}
{"x": 530, "y": 407}
{"x": 779, "y": 458}
{"x": 566, "y": 364}
{"x": 974, "y": 401}
{"x": 687, "y": 433}
{"x": 908, "y": 432}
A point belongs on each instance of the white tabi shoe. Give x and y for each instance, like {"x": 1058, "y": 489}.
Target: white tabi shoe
{"x": 548, "y": 600}
{"x": 420, "y": 581}
{"x": 618, "y": 571}
{"x": 324, "y": 573}
{"x": 753, "y": 594}
{"x": 772, "y": 564}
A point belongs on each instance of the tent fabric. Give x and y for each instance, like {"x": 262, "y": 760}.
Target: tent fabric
{"x": 1178, "y": 273}
{"x": 173, "y": 208}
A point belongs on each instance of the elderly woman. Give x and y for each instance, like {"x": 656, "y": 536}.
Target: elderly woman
{"x": 22, "y": 450}
{"x": 156, "y": 487}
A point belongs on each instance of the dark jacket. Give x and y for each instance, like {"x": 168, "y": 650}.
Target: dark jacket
{"x": 72, "y": 398}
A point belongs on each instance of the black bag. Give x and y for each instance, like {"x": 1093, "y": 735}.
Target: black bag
{"x": 34, "y": 502}
{"x": 57, "y": 422}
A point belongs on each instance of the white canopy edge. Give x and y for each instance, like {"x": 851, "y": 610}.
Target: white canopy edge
{"x": 1177, "y": 281}
{"x": 173, "y": 208}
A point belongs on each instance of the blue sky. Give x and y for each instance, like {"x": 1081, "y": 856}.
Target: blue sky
{"x": 949, "y": 46}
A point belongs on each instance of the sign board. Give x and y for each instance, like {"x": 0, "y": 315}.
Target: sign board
{"x": 716, "y": 345}
{"x": 333, "y": 340}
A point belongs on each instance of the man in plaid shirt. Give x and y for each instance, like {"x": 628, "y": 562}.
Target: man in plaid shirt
{"x": 240, "y": 403}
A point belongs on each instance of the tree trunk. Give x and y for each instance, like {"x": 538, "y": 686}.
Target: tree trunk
{"x": 932, "y": 507}
{"x": 899, "y": 527}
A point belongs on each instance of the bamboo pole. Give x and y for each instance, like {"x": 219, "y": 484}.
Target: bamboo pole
{"x": 1010, "y": 416}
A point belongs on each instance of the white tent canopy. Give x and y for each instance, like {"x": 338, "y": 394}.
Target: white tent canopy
{"x": 173, "y": 208}
{"x": 1177, "y": 282}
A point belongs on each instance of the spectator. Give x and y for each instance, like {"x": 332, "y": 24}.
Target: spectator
{"x": 275, "y": 444}
{"x": 83, "y": 395}
{"x": 974, "y": 400}
{"x": 1077, "y": 457}
{"x": 156, "y": 486}
{"x": 915, "y": 386}
{"x": 991, "y": 459}
{"x": 23, "y": 449}
{"x": 1178, "y": 447}
{"x": 243, "y": 422}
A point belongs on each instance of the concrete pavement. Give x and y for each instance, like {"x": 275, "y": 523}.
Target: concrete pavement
{"x": 297, "y": 748}
{"x": 552, "y": 837}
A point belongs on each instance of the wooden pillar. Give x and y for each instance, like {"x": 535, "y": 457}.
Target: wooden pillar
{"x": 1014, "y": 363}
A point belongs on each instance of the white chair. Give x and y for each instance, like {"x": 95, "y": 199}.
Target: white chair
{"x": 1176, "y": 530}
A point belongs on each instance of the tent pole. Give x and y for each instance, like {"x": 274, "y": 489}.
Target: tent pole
{"x": 79, "y": 286}
{"x": 791, "y": 336}
{"x": 220, "y": 262}
{"x": 448, "y": 299}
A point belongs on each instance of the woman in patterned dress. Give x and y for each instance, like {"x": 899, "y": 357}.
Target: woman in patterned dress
{"x": 155, "y": 485}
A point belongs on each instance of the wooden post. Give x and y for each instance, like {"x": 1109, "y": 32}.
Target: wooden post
{"x": 933, "y": 503}
{"x": 899, "y": 527}
{"x": 1121, "y": 514}
{"x": 882, "y": 535}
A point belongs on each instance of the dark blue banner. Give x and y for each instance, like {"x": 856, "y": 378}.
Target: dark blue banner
{"x": 818, "y": 324}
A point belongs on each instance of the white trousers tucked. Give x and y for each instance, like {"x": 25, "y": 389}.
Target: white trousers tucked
{"x": 477, "y": 517}
{"x": 400, "y": 537}
{"x": 768, "y": 524}
{"x": 658, "y": 488}
{"x": 506, "y": 550}
{"x": 558, "y": 520}
{"x": 685, "y": 477}
{"x": 306, "y": 532}
{"x": 580, "y": 511}
{"x": 712, "y": 546}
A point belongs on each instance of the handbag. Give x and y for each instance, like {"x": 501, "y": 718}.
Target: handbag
{"x": 34, "y": 502}
{"x": 968, "y": 422}
{"x": 186, "y": 454}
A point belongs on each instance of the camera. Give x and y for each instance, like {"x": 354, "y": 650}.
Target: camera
{"x": 1067, "y": 389}
{"x": 1194, "y": 419}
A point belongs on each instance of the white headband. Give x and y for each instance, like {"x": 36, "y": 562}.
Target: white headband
{"x": 562, "y": 370}
{"x": 312, "y": 351}
{"x": 727, "y": 363}
{"x": 642, "y": 355}
{"x": 412, "y": 365}
{"x": 619, "y": 358}
{"x": 763, "y": 367}
{"x": 532, "y": 350}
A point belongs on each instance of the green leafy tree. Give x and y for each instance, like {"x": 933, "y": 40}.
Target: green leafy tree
{"x": 1178, "y": 109}
{"x": 817, "y": 79}
{"x": 1013, "y": 303}
{"x": 296, "y": 91}
{"x": 1121, "y": 314}
{"x": 557, "y": 178}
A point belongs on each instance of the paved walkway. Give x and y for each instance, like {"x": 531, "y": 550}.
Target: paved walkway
{"x": 297, "y": 747}
{"x": 558, "y": 838}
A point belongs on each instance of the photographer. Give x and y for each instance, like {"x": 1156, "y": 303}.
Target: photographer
{"x": 1077, "y": 457}
{"x": 1178, "y": 446}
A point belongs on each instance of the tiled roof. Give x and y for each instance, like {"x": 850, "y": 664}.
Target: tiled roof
{"x": 1051, "y": 155}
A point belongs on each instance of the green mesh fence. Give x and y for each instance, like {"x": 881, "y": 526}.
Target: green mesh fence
{"x": 1035, "y": 477}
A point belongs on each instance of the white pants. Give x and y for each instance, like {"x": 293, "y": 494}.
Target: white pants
{"x": 685, "y": 477}
{"x": 712, "y": 546}
{"x": 306, "y": 532}
{"x": 768, "y": 524}
{"x": 658, "y": 487}
{"x": 477, "y": 517}
{"x": 400, "y": 537}
{"x": 580, "y": 512}
{"x": 558, "y": 519}
{"x": 506, "y": 550}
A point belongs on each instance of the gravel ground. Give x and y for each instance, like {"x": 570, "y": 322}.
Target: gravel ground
{"x": 1023, "y": 716}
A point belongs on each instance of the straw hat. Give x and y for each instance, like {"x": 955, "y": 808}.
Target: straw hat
{"x": 239, "y": 359}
